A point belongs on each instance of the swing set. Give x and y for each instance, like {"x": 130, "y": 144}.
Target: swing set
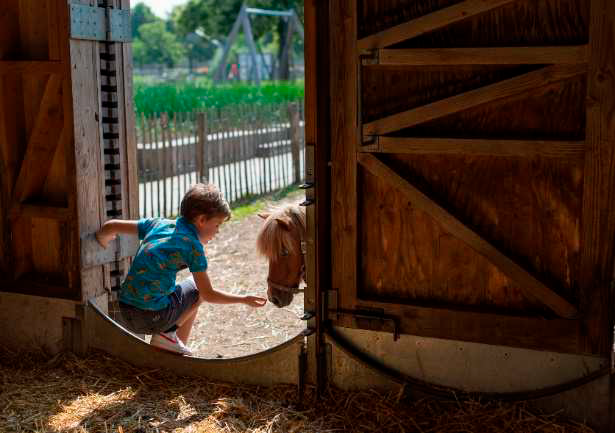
{"x": 243, "y": 19}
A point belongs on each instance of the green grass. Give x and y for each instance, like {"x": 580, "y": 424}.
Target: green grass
{"x": 185, "y": 96}
{"x": 254, "y": 205}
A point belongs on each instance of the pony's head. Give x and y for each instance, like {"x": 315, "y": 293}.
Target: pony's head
{"x": 280, "y": 240}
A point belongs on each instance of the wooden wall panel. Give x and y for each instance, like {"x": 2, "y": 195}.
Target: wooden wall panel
{"x": 549, "y": 113}
{"x": 9, "y": 30}
{"x": 529, "y": 209}
{"x": 407, "y": 257}
{"x": 386, "y": 90}
{"x": 523, "y": 22}
{"x": 375, "y": 15}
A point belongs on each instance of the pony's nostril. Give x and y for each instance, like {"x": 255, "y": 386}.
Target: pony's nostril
{"x": 275, "y": 301}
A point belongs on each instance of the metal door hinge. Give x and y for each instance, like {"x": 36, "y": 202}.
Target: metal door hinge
{"x": 99, "y": 24}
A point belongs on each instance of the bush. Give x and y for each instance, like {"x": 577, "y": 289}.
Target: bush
{"x": 183, "y": 97}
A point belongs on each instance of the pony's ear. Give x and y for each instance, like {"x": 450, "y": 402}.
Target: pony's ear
{"x": 264, "y": 215}
{"x": 284, "y": 223}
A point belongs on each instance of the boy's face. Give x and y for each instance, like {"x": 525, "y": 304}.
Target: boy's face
{"x": 208, "y": 227}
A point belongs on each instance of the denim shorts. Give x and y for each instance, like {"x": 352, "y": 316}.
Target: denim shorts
{"x": 152, "y": 322}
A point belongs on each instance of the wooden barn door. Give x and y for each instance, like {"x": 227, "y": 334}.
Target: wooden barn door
{"x": 473, "y": 170}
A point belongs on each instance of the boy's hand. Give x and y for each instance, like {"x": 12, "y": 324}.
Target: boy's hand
{"x": 104, "y": 238}
{"x": 254, "y": 301}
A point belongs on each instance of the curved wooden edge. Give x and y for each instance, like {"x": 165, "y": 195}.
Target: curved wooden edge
{"x": 278, "y": 365}
{"x": 439, "y": 391}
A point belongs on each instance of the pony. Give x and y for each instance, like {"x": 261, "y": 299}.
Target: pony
{"x": 281, "y": 240}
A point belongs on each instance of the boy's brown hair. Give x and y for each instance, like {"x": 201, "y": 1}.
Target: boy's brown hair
{"x": 204, "y": 199}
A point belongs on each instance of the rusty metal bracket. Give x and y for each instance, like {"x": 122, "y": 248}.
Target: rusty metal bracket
{"x": 307, "y": 332}
{"x": 307, "y": 315}
{"x": 370, "y": 57}
{"x": 307, "y": 202}
{"x": 306, "y": 185}
{"x": 370, "y": 143}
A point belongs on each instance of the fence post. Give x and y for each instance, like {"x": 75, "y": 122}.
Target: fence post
{"x": 201, "y": 160}
{"x": 295, "y": 138}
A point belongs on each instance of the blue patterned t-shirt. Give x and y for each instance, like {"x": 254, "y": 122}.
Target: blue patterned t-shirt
{"x": 168, "y": 246}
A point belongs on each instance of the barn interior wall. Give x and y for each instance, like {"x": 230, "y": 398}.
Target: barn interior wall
{"x": 35, "y": 141}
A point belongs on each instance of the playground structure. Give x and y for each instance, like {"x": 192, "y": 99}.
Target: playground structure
{"x": 293, "y": 26}
{"x": 460, "y": 235}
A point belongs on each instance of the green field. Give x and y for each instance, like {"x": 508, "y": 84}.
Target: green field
{"x": 188, "y": 96}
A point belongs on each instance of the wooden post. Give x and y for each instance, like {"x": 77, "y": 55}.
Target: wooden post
{"x": 164, "y": 134}
{"x": 141, "y": 166}
{"x": 200, "y": 148}
{"x": 295, "y": 140}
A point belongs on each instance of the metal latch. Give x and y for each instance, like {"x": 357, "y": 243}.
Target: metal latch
{"x": 99, "y": 24}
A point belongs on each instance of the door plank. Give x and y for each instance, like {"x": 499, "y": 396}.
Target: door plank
{"x": 494, "y": 92}
{"x": 42, "y": 143}
{"x": 530, "y": 285}
{"x": 558, "y": 335}
{"x": 598, "y": 210}
{"x": 30, "y": 67}
{"x": 575, "y": 54}
{"x": 35, "y": 210}
{"x": 430, "y": 22}
{"x": 344, "y": 139}
{"x": 485, "y": 147}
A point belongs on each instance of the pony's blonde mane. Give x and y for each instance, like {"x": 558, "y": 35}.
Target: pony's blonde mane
{"x": 272, "y": 238}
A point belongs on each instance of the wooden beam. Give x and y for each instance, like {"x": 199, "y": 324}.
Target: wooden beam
{"x": 576, "y": 54}
{"x": 43, "y": 141}
{"x": 598, "y": 205}
{"x": 430, "y": 22}
{"x": 249, "y": 36}
{"x": 494, "y": 92}
{"x": 220, "y": 74}
{"x": 34, "y": 210}
{"x": 471, "y": 146}
{"x": 530, "y": 285}
{"x": 30, "y": 67}
{"x": 343, "y": 142}
{"x": 558, "y": 335}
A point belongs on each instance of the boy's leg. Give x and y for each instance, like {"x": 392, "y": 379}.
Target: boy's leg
{"x": 187, "y": 300}
{"x": 186, "y": 320}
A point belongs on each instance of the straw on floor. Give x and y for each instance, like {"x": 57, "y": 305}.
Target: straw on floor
{"x": 102, "y": 394}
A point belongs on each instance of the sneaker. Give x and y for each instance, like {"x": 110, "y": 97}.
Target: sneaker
{"x": 169, "y": 341}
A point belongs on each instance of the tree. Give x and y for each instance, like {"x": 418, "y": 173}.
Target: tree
{"x": 156, "y": 45}
{"x": 215, "y": 19}
{"x": 198, "y": 47}
{"x": 139, "y": 15}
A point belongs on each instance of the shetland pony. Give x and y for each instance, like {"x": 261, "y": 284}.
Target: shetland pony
{"x": 281, "y": 240}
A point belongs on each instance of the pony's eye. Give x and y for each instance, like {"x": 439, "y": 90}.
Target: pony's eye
{"x": 284, "y": 253}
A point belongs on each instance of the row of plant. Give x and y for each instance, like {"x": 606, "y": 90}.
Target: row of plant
{"x": 187, "y": 96}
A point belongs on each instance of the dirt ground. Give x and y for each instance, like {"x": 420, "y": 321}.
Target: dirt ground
{"x": 225, "y": 331}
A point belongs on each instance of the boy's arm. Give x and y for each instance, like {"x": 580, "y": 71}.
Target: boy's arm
{"x": 208, "y": 294}
{"x": 111, "y": 228}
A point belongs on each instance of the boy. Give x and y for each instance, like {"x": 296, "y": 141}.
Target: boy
{"x": 149, "y": 299}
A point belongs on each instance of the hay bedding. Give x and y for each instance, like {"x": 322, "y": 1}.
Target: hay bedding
{"x": 102, "y": 394}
